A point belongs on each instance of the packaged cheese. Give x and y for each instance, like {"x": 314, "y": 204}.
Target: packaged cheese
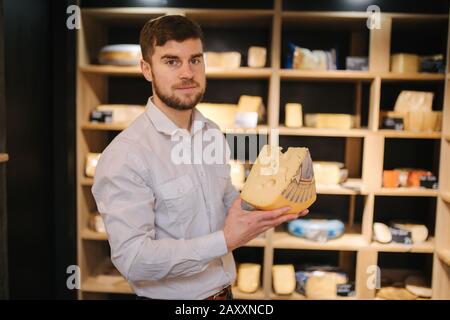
{"x": 281, "y": 179}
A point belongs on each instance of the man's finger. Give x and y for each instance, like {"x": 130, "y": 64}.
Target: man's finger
{"x": 270, "y": 215}
{"x": 237, "y": 203}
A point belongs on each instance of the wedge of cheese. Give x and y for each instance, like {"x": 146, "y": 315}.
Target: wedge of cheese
{"x": 323, "y": 285}
{"x": 283, "y": 278}
{"x": 248, "y": 279}
{"x": 252, "y": 104}
{"x": 281, "y": 179}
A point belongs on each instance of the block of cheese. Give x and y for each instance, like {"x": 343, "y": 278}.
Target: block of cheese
{"x": 395, "y": 293}
{"x": 408, "y": 101}
{"x": 120, "y": 54}
{"x": 420, "y": 121}
{"x": 283, "y": 278}
{"x": 404, "y": 62}
{"x": 418, "y": 286}
{"x": 248, "y": 279}
{"x": 328, "y": 172}
{"x": 256, "y": 57}
{"x": 281, "y": 179}
{"x": 381, "y": 233}
{"x": 330, "y": 120}
{"x": 122, "y": 114}
{"x": 221, "y": 113}
{"x": 91, "y": 163}
{"x": 323, "y": 285}
{"x": 252, "y": 104}
{"x": 226, "y": 60}
{"x": 294, "y": 115}
{"x": 419, "y": 232}
{"x": 237, "y": 173}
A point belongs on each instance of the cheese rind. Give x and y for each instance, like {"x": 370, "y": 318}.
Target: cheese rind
{"x": 283, "y": 278}
{"x": 281, "y": 179}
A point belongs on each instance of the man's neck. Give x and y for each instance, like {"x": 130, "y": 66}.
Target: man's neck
{"x": 181, "y": 118}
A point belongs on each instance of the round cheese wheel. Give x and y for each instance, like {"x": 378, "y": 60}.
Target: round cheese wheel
{"x": 393, "y": 293}
{"x": 120, "y": 54}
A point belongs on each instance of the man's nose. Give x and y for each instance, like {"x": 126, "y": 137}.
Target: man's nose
{"x": 186, "y": 71}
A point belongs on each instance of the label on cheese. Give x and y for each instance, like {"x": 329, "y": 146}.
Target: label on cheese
{"x": 283, "y": 278}
{"x": 281, "y": 179}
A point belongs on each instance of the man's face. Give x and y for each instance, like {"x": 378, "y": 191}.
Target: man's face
{"x": 178, "y": 73}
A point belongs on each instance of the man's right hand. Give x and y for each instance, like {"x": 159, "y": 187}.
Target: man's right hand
{"x": 241, "y": 226}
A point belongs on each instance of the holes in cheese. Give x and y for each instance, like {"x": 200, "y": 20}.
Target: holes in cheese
{"x": 283, "y": 278}
{"x": 281, "y": 179}
{"x": 248, "y": 277}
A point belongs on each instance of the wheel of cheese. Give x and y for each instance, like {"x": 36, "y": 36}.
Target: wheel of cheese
{"x": 307, "y": 227}
{"x": 120, "y": 55}
{"x": 381, "y": 233}
{"x": 418, "y": 286}
{"x": 394, "y": 293}
{"x": 281, "y": 179}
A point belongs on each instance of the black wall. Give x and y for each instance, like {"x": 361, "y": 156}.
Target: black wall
{"x": 40, "y": 62}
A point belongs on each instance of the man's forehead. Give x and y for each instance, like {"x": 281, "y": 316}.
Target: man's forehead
{"x": 184, "y": 48}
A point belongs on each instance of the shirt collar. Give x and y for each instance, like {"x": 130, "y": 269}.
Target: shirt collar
{"x": 164, "y": 125}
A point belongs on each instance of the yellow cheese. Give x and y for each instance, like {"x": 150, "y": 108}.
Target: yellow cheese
{"x": 281, "y": 179}
{"x": 248, "y": 279}
{"x": 294, "y": 115}
{"x": 330, "y": 120}
{"x": 418, "y": 286}
{"x": 404, "y": 62}
{"x": 408, "y": 101}
{"x": 283, "y": 278}
{"x": 91, "y": 163}
{"x": 256, "y": 57}
{"x": 395, "y": 293}
{"x": 226, "y": 60}
{"x": 323, "y": 285}
{"x": 221, "y": 113}
{"x": 252, "y": 104}
{"x": 329, "y": 172}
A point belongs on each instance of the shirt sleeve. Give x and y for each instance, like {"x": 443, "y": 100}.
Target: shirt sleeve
{"x": 230, "y": 192}
{"x": 126, "y": 204}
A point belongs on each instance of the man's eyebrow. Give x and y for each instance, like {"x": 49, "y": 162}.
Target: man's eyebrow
{"x": 169, "y": 56}
{"x": 197, "y": 55}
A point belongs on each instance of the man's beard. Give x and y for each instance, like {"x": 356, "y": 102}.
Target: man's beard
{"x": 174, "y": 102}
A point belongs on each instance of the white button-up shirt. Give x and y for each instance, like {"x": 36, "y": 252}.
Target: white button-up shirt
{"x": 165, "y": 220}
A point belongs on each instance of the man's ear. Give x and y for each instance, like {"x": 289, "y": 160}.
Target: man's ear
{"x": 146, "y": 70}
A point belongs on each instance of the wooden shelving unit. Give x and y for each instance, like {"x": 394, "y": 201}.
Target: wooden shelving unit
{"x": 93, "y": 83}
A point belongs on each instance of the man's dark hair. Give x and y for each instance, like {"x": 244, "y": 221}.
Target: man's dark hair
{"x": 157, "y": 32}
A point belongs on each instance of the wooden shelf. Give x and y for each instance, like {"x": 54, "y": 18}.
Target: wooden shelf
{"x": 92, "y": 285}
{"x": 103, "y": 126}
{"x": 313, "y": 132}
{"x": 409, "y": 77}
{"x": 447, "y": 137}
{"x": 88, "y": 234}
{"x": 342, "y": 189}
{"x": 407, "y": 192}
{"x": 4, "y": 157}
{"x": 445, "y": 196}
{"x": 293, "y": 296}
{"x": 258, "y": 295}
{"x": 444, "y": 255}
{"x": 257, "y": 242}
{"x": 87, "y": 182}
{"x": 205, "y": 17}
{"x": 426, "y": 247}
{"x": 409, "y": 134}
{"x": 212, "y": 73}
{"x": 337, "y": 75}
{"x": 347, "y": 242}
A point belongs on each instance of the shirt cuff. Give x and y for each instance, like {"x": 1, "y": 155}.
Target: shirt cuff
{"x": 211, "y": 246}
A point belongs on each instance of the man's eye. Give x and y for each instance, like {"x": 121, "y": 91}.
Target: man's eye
{"x": 196, "y": 61}
{"x": 172, "y": 62}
